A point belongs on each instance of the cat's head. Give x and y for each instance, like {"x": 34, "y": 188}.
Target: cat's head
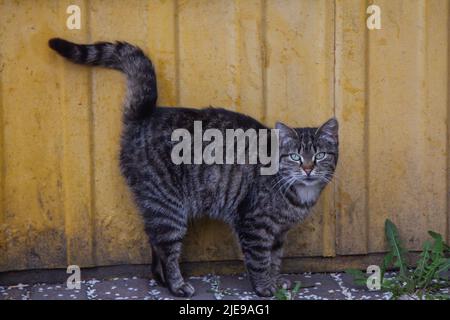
{"x": 308, "y": 156}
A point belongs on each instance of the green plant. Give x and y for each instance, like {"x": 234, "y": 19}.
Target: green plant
{"x": 423, "y": 282}
{"x": 217, "y": 291}
{"x": 285, "y": 294}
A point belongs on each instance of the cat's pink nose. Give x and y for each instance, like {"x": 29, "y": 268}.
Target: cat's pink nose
{"x": 307, "y": 169}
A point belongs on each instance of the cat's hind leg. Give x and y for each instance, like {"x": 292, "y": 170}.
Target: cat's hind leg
{"x": 157, "y": 271}
{"x": 170, "y": 253}
{"x": 166, "y": 234}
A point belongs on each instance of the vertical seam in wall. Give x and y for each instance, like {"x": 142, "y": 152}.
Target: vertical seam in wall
{"x": 334, "y": 57}
{"x": 91, "y": 118}
{"x": 264, "y": 59}
{"x": 334, "y": 114}
{"x": 423, "y": 94}
{"x": 236, "y": 60}
{"x": 2, "y": 154}
{"x": 176, "y": 22}
{"x": 366, "y": 128}
{"x": 448, "y": 127}
{"x": 61, "y": 77}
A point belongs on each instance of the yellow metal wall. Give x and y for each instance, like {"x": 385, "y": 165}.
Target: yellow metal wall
{"x": 63, "y": 200}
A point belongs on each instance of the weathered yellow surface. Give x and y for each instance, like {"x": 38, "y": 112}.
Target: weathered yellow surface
{"x": 391, "y": 99}
{"x": 63, "y": 200}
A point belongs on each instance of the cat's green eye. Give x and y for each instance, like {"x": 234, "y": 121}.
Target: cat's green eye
{"x": 320, "y": 156}
{"x": 295, "y": 156}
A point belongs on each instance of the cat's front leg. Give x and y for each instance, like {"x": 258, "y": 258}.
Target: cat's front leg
{"x": 257, "y": 247}
{"x": 257, "y": 262}
{"x": 276, "y": 255}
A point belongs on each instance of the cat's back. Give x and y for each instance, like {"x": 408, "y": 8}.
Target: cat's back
{"x": 147, "y": 163}
{"x": 171, "y": 118}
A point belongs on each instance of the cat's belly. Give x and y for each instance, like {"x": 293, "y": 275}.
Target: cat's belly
{"x": 216, "y": 190}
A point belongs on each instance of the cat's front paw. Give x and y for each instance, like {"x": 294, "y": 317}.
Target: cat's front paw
{"x": 266, "y": 290}
{"x": 185, "y": 290}
{"x": 284, "y": 283}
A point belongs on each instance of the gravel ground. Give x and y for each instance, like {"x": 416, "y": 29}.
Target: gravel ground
{"x": 317, "y": 286}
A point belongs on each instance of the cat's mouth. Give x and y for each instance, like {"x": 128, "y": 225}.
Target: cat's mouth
{"x": 309, "y": 180}
{"x": 313, "y": 180}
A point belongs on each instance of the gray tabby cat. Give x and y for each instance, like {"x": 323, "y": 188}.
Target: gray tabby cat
{"x": 260, "y": 209}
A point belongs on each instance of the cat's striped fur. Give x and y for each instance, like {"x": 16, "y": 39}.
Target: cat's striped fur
{"x": 260, "y": 209}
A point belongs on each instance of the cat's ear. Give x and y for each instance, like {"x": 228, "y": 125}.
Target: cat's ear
{"x": 329, "y": 131}
{"x": 286, "y": 133}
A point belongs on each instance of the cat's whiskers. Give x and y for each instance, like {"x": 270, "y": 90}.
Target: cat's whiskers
{"x": 287, "y": 189}
{"x": 280, "y": 181}
{"x": 328, "y": 177}
{"x": 286, "y": 183}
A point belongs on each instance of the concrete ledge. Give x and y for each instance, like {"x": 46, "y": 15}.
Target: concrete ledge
{"x": 290, "y": 265}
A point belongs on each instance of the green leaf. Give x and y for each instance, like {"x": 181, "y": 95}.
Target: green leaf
{"x": 435, "y": 264}
{"x": 440, "y": 296}
{"x": 438, "y": 245}
{"x": 296, "y": 288}
{"x": 432, "y": 272}
{"x": 438, "y": 237}
{"x": 281, "y": 294}
{"x": 388, "y": 284}
{"x": 359, "y": 277}
{"x": 434, "y": 235}
{"x": 445, "y": 266}
{"x": 396, "y": 247}
{"x": 423, "y": 260}
{"x": 284, "y": 294}
{"x": 387, "y": 262}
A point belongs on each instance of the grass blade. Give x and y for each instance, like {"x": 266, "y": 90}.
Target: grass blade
{"x": 396, "y": 247}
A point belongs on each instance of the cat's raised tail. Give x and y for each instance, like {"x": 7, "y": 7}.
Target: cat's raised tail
{"x": 142, "y": 90}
